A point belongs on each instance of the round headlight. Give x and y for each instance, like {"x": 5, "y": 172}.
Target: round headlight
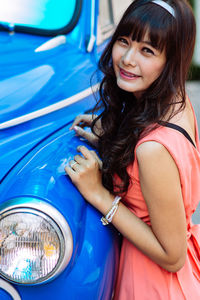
{"x": 35, "y": 244}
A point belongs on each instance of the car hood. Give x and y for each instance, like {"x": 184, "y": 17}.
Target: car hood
{"x": 32, "y": 80}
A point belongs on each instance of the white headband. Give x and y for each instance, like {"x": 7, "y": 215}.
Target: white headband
{"x": 165, "y": 5}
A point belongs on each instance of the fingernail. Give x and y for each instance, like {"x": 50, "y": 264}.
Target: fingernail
{"x": 76, "y": 128}
{"x": 79, "y": 147}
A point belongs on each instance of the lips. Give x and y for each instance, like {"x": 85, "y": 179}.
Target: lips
{"x": 128, "y": 75}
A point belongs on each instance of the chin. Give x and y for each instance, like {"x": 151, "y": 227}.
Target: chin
{"x": 125, "y": 87}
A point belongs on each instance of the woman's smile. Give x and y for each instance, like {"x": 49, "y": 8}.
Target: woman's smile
{"x": 128, "y": 75}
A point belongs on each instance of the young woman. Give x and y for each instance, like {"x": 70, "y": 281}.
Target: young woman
{"x": 148, "y": 142}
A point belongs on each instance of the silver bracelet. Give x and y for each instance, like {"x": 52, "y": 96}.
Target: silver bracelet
{"x": 109, "y": 216}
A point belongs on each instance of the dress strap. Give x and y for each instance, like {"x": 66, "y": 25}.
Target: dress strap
{"x": 178, "y": 128}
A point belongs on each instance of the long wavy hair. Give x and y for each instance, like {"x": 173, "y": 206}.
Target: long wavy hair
{"x": 124, "y": 118}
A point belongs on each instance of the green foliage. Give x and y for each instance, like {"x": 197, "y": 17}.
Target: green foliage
{"x": 192, "y": 3}
{"x": 194, "y": 73}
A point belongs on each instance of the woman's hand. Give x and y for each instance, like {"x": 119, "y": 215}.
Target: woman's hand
{"x": 86, "y": 120}
{"x": 85, "y": 173}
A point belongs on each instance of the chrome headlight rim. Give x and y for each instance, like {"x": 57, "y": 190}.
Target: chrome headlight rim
{"x": 45, "y": 210}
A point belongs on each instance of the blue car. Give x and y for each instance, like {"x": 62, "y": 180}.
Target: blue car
{"x": 52, "y": 242}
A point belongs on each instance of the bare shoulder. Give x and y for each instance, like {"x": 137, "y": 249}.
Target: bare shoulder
{"x": 153, "y": 158}
{"x": 150, "y": 149}
{"x": 186, "y": 119}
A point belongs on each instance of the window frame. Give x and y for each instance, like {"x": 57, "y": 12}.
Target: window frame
{"x": 52, "y": 32}
{"x": 103, "y": 33}
{"x": 106, "y": 32}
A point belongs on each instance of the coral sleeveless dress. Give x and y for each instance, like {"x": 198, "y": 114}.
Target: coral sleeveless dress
{"x": 139, "y": 278}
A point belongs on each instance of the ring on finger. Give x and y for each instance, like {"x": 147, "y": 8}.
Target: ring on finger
{"x": 73, "y": 164}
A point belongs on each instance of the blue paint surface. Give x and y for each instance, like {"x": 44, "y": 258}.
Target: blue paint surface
{"x": 33, "y": 154}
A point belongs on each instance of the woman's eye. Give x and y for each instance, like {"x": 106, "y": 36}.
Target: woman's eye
{"x": 147, "y": 50}
{"x": 122, "y": 40}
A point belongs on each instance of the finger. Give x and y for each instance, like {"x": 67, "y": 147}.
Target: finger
{"x": 69, "y": 171}
{"x": 76, "y": 166}
{"x": 97, "y": 158}
{"x": 85, "y": 134}
{"x": 77, "y": 121}
{"x": 90, "y": 157}
{"x": 86, "y": 152}
{"x": 80, "y": 159}
{"x": 73, "y": 164}
{"x": 86, "y": 119}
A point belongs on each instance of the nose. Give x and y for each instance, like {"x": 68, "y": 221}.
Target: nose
{"x": 129, "y": 57}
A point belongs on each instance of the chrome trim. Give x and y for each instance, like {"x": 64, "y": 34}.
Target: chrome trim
{"x": 92, "y": 33}
{"x": 41, "y": 208}
{"x": 4, "y": 285}
{"x": 52, "y": 43}
{"x": 49, "y": 109}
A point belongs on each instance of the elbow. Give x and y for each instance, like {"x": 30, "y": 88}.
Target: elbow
{"x": 174, "y": 260}
{"x": 175, "y": 266}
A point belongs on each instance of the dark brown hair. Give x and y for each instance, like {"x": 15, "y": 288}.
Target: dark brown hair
{"x": 124, "y": 118}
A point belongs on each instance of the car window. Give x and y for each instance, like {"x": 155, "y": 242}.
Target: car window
{"x": 44, "y": 15}
{"x": 110, "y": 12}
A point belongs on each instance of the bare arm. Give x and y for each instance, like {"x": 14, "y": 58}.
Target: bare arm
{"x": 165, "y": 241}
{"x": 161, "y": 188}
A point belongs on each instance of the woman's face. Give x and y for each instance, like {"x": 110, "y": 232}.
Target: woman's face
{"x": 136, "y": 64}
